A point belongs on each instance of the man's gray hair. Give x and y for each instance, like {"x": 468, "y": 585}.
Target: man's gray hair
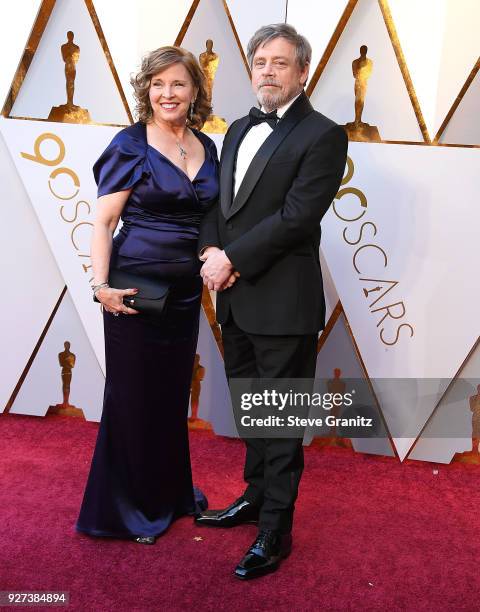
{"x": 303, "y": 49}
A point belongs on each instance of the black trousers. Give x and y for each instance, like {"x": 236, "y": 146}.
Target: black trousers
{"x": 273, "y": 467}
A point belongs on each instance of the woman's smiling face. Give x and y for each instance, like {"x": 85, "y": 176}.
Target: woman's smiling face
{"x": 171, "y": 93}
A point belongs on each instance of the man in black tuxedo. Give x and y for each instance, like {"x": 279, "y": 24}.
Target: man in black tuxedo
{"x": 280, "y": 169}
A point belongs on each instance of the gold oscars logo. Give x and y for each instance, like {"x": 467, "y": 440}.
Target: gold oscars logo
{"x": 209, "y": 62}
{"x": 78, "y": 212}
{"x": 70, "y": 112}
{"x": 358, "y": 130}
{"x": 368, "y": 258}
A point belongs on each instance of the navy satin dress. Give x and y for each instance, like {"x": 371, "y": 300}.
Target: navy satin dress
{"x": 140, "y": 479}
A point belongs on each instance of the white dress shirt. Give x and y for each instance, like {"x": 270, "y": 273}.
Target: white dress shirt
{"x": 249, "y": 146}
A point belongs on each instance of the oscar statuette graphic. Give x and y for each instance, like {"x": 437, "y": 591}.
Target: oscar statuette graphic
{"x": 336, "y": 385}
{"x": 358, "y": 130}
{"x": 474, "y": 401}
{"x": 209, "y": 62}
{"x": 367, "y": 292}
{"x": 195, "y": 388}
{"x": 473, "y": 455}
{"x": 70, "y": 112}
{"x": 330, "y": 437}
{"x": 66, "y": 360}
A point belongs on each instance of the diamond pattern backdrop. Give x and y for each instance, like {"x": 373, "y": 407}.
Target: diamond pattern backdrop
{"x": 406, "y": 217}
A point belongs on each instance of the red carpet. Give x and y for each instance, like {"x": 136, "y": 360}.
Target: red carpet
{"x": 370, "y": 533}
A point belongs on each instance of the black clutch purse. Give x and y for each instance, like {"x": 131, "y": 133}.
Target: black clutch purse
{"x": 152, "y": 294}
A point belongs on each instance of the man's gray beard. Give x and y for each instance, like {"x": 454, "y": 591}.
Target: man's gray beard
{"x": 270, "y": 102}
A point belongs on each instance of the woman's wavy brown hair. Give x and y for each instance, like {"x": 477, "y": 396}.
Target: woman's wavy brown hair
{"x": 155, "y": 62}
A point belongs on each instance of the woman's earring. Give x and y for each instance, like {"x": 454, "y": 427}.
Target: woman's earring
{"x": 190, "y": 114}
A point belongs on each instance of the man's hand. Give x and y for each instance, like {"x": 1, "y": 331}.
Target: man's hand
{"x": 233, "y": 277}
{"x": 208, "y": 251}
{"x": 217, "y": 271}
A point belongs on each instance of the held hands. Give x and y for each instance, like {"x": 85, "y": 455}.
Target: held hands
{"x": 217, "y": 271}
{"x": 112, "y": 300}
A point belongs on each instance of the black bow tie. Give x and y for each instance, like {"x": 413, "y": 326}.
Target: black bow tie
{"x": 257, "y": 116}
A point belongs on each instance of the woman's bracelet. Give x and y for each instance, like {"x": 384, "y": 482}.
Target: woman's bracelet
{"x": 96, "y": 288}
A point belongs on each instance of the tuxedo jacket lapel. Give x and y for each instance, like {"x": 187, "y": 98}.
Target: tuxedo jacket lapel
{"x": 229, "y": 155}
{"x": 299, "y": 109}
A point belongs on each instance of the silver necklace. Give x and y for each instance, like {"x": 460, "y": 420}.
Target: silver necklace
{"x": 183, "y": 153}
{"x": 181, "y": 150}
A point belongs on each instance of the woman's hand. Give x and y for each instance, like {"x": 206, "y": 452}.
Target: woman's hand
{"x": 112, "y": 300}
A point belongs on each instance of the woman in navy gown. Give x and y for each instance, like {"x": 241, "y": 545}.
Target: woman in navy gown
{"x": 160, "y": 176}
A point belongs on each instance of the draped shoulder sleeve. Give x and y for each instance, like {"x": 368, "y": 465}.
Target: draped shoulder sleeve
{"x": 120, "y": 166}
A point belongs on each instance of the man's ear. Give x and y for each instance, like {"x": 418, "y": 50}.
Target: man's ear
{"x": 304, "y": 74}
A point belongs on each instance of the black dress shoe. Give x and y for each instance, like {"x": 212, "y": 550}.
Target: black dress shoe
{"x": 265, "y": 554}
{"x": 145, "y": 539}
{"x": 238, "y": 513}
